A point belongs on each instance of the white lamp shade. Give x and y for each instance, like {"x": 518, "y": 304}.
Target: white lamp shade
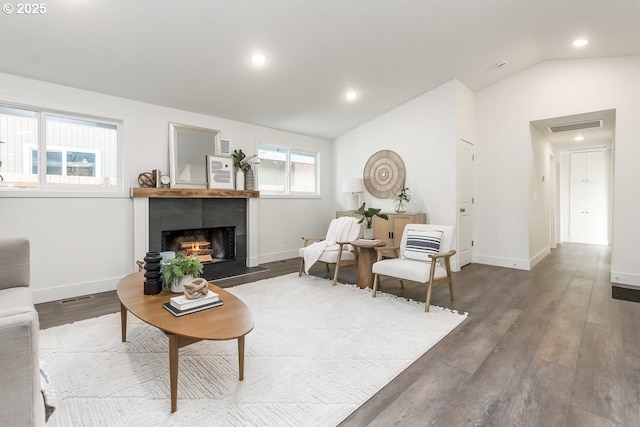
{"x": 352, "y": 185}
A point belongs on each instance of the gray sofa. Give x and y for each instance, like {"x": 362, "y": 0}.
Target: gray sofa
{"x": 21, "y": 401}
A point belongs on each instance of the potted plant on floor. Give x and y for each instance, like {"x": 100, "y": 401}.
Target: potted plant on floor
{"x": 181, "y": 269}
{"x": 367, "y": 219}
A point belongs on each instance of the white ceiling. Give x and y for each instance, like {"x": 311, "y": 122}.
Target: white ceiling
{"x": 194, "y": 54}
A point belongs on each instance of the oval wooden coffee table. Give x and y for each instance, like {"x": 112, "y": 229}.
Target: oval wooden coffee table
{"x": 232, "y": 320}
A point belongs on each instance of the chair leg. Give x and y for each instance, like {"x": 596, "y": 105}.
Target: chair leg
{"x": 401, "y": 284}
{"x": 428, "y": 300}
{"x": 335, "y": 274}
{"x": 447, "y": 264}
{"x": 327, "y": 265}
{"x": 301, "y": 267}
{"x": 375, "y": 285}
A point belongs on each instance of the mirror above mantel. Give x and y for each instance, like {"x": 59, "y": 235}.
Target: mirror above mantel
{"x": 188, "y": 150}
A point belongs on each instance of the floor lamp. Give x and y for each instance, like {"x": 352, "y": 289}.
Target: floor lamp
{"x": 353, "y": 186}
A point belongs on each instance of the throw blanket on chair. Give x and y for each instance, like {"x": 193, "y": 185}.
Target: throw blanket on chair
{"x": 343, "y": 229}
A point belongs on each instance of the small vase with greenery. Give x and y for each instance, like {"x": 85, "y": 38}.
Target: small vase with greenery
{"x": 241, "y": 161}
{"x": 178, "y": 268}
{"x": 402, "y": 198}
{"x": 367, "y": 219}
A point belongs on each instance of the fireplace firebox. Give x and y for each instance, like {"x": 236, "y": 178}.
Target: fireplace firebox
{"x": 215, "y": 244}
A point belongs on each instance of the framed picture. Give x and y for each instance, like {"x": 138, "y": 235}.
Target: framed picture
{"x": 220, "y": 172}
{"x": 223, "y": 148}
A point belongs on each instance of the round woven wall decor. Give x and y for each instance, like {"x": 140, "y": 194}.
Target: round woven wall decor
{"x": 384, "y": 174}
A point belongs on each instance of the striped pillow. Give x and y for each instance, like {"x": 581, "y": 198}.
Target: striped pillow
{"x": 421, "y": 243}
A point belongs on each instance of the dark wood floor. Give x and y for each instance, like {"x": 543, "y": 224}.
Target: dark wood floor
{"x": 546, "y": 347}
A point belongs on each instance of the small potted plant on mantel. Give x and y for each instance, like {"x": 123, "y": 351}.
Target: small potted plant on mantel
{"x": 180, "y": 270}
{"x": 242, "y": 163}
{"x": 367, "y": 219}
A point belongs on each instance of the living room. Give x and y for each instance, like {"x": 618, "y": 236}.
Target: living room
{"x": 418, "y": 129}
{"x": 84, "y": 245}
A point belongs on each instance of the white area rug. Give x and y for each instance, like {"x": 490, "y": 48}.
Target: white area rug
{"x": 316, "y": 354}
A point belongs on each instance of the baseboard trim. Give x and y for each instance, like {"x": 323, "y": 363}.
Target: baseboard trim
{"x": 630, "y": 279}
{"x": 278, "y": 256}
{"x": 539, "y": 257}
{"x": 74, "y": 290}
{"x": 519, "y": 264}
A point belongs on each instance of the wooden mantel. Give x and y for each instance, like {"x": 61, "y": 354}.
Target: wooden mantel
{"x": 193, "y": 193}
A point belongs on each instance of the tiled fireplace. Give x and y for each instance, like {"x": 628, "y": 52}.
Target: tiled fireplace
{"x": 215, "y": 229}
{"x": 218, "y": 225}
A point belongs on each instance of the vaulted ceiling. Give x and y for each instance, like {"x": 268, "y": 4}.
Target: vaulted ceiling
{"x": 194, "y": 55}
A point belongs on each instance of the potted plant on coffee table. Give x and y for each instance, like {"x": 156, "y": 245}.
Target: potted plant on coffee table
{"x": 367, "y": 219}
{"x": 180, "y": 270}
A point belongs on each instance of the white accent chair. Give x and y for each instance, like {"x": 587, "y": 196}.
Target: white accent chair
{"x": 422, "y": 257}
{"x": 335, "y": 248}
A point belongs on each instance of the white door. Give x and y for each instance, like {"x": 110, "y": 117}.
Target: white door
{"x": 588, "y": 200}
{"x": 577, "y": 212}
{"x": 465, "y": 203}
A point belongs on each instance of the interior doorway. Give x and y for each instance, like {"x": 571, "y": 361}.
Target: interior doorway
{"x": 580, "y": 200}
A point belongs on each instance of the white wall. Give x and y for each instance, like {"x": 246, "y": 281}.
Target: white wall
{"x": 554, "y": 89}
{"x": 424, "y": 133}
{"x": 539, "y": 193}
{"x": 85, "y": 245}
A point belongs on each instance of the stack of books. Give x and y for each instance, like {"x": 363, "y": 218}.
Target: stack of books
{"x": 181, "y": 305}
{"x": 371, "y": 241}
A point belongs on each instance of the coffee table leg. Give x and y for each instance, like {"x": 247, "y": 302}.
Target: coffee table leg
{"x": 173, "y": 370}
{"x": 123, "y": 322}
{"x": 241, "y": 356}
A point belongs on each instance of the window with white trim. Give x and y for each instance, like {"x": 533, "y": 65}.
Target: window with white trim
{"x": 287, "y": 171}
{"x": 53, "y": 151}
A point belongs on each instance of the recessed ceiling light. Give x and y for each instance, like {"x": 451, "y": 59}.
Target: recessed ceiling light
{"x": 258, "y": 59}
{"x": 578, "y": 138}
{"x": 580, "y": 42}
{"x": 351, "y": 95}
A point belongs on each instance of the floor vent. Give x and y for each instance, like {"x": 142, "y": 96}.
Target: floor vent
{"x": 576, "y": 126}
{"x": 68, "y": 300}
{"x": 618, "y": 292}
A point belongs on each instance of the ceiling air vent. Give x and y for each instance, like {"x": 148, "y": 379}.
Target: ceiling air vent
{"x": 576, "y": 126}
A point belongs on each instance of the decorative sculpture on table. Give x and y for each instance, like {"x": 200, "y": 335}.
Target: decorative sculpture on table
{"x": 198, "y": 288}
{"x": 152, "y": 274}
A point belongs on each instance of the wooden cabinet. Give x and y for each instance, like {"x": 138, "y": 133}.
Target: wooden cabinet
{"x": 390, "y": 231}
